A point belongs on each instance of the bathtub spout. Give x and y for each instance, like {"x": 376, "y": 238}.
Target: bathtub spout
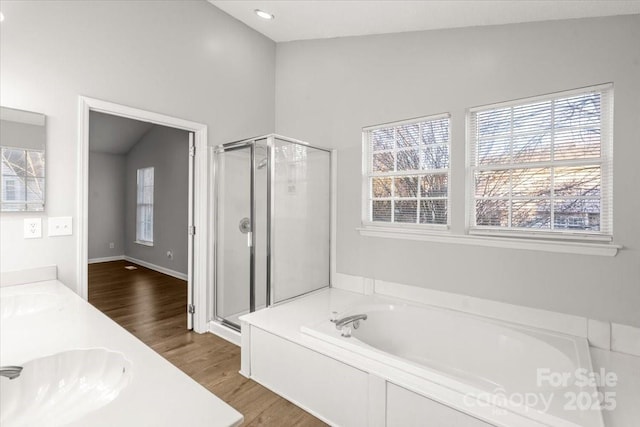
{"x": 11, "y": 372}
{"x": 355, "y": 320}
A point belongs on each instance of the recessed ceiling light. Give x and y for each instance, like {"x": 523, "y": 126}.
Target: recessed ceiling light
{"x": 264, "y": 15}
{"x": 1, "y": 16}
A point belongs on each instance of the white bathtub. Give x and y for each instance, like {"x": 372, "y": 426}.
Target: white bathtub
{"x": 490, "y": 362}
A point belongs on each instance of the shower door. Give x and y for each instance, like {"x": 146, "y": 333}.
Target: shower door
{"x": 241, "y": 236}
{"x": 234, "y": 232}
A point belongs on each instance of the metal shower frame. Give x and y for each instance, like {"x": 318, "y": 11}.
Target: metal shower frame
{"x": 238, "y": 145}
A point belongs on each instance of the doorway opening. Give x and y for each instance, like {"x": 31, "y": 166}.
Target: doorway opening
{"x": 177, "y": 248}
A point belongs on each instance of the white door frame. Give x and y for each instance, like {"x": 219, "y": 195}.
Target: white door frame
{"x": 198, "y": 277}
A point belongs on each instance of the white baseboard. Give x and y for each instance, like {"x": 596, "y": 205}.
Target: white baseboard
{"x": 106, "y": 259}
{"x": 158, "y": 268}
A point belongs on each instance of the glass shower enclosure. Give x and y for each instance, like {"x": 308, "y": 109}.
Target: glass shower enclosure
{"x": 272, "y": 224}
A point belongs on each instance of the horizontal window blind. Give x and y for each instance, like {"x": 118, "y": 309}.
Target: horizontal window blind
{"x": 407, "y": 172}
{"x": 144, "y": 203}
{"x": 543, "y": 164}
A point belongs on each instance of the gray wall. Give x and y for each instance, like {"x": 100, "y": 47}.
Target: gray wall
{"x": 167, "y": 150}
{"x": 327, "y": 90}
{"x": 106, "y": 204}
{"x": 185, "y": 59}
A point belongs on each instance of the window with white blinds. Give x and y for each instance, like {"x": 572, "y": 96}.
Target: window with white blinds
{"x": 543, "y": 165}
{"x": 144, "y": 206}
{"x": 407, "y": 172}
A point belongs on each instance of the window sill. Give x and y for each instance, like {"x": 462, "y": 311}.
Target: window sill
{"x": 140, "y": 242}
{"x": 569, "y": 247}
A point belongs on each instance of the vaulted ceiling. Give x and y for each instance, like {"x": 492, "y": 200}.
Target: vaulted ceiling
{"x": 306, "y": 19}
{"x": 114, "y": 134}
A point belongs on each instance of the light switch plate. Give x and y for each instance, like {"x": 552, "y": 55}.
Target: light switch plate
{"x": 32, "y": 228}
{"x": 60, "y": 226}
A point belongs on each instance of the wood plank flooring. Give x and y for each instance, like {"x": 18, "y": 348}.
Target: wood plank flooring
{"x": 152, "y": 306}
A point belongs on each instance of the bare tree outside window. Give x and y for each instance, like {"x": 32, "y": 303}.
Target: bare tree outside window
{"x": 22, "y": 179}
{"x": 539, "y": 165}
{"x": 408, "y": 172}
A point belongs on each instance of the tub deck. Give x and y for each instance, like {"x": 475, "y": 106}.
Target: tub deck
{"x": 287, "y": 321}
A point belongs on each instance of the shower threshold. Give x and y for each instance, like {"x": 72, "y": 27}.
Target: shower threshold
{"x": 233, "y": 320}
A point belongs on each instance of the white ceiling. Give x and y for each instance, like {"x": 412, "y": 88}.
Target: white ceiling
{"x": 315, "y": 19}
{"x": 114, "y": 134}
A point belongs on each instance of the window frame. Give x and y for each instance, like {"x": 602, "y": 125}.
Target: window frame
{"x": 459, "y": 231}
{"x": 367, "y": 174}
{"x": 604, "y": 161}
{"x": 140, "y": 239}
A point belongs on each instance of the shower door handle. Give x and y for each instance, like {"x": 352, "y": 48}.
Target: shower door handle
{"x": 245, "y": 228}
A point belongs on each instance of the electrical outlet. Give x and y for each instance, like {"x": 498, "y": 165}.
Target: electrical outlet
{"x": 32, "y": 228}
{"x": 112, "y": 245}
{"x": 170, "y": 254}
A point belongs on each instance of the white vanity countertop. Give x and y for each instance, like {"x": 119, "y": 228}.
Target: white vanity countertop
{"x": 159, "y": 394}
{"x": 286, "y": 319}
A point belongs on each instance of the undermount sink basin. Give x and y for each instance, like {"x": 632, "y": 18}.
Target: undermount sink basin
{"x": 27, "y": 304}
{"x": 58, "y": 389}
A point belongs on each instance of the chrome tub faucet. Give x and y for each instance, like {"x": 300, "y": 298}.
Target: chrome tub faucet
{"x": 344, "y": 324}
{"x": 11, "y": 372}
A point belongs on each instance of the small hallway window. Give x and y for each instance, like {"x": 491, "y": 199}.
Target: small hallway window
{"x": 144, "y": 207}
